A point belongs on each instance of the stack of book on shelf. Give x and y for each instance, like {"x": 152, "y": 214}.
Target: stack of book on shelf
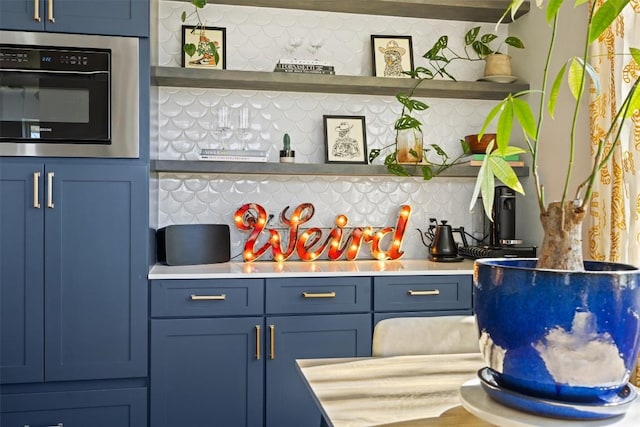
{"x": 311, "y": 66}
{"x": 513, "y": 160}
{"x": 222, "y": 155}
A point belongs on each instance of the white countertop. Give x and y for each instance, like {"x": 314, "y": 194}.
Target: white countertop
{"x": 264, "y": 269}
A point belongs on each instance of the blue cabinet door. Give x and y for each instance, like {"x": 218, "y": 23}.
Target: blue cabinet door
{"x": 27, "y": 15}
{"x": 21, "y": 272}
{"x": 122, "y": 18}
{"x": 288, "y": 400}
{"x": 95, "y": 408}
{"x": 207, "y": 372}
{"x": 95, "y": 271}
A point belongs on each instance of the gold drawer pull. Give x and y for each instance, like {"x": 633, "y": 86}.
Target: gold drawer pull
{"x": 422, "y": 293}
{"x": 36, "y": 10}
{"x": 272, "y": 342}
{"x": 220, "y": 297}
{"x": 50, "y": 176}
{"x": 319, "y": 295}
{"x": 50, "y": 11}
{"x": 258, "y": 342}
{"x": 36, "y": 190}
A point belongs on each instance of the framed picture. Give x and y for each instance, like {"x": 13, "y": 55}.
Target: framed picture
{"x": 391, "y": 56}
{"x": 207, "y": 45}
{"x": 345, "y": 139}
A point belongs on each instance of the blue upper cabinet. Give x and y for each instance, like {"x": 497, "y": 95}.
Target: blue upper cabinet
{"x": 73, "y": 247}
{"x": 119, "y": 18}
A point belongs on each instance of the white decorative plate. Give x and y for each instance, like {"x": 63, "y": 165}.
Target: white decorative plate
{"x": 476, "y": 400}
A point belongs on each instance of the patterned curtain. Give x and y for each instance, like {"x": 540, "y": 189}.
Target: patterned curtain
{"x": 614, "y": 213}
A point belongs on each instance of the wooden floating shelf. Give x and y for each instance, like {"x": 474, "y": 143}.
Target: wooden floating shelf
{"x": 332, "y": 169}
{"x": 459, "y": 10}
{"x": 320, "y": 83}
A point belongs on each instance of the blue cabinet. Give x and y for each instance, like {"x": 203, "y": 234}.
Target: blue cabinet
{"x": 213, "y": 344}
{"x": 73, "y": 263}
{"x": 309, "y": 318}
{"x": 226, "y": 348}
{"x": 95, "y": 408}
{"x": 437, "y": 295}
{"x": 288, "y": 400}
{"x": 120, "y": 18}
{"x": 21, "y": 273}
{"x": 207, "y": 372}
{"x": 206, "y": 367}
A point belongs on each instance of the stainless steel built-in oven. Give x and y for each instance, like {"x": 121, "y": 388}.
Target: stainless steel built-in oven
{"x": 68, "y": 95}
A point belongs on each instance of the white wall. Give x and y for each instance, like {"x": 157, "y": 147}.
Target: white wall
{"x": 553, "y": 159}
{"x": 256, "y": 38}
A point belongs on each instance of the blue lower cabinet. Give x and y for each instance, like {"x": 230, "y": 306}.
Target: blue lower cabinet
{"x": 437, "y": 293}
{"x": 95, "y": 408}
{"x": 95, "y": 268}
{"x": 207, "y": 372}
{"x": 21, "y": 273}
{"x": 288, "y": 400}
{"x": 73, "y": 270}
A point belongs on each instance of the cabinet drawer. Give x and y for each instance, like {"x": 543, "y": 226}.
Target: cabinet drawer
{"x": 318, "y": 295}
{"x": 211, "y": 297}
{"x": 95, "y": 408}
{"x": 422, "y": 293}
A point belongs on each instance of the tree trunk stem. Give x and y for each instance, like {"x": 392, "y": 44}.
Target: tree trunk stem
{"x": 562, "y": 242}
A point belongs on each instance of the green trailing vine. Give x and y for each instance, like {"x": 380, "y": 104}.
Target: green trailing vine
{"x": 438, "y": 58}
{"x": 204, "y": 46}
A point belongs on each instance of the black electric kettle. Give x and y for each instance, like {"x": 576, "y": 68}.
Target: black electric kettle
{"x": 443, "y": 246}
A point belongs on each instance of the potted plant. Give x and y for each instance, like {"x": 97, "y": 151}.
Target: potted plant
{"x": 408, "y": 146}
{"x": 482, "y": 49}
{"x": 558, "y": 327}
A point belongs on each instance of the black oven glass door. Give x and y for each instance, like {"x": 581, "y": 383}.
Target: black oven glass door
{"x": 66, "y": 98}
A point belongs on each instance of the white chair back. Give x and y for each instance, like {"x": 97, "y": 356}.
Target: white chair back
{"x": 425, "y": 335}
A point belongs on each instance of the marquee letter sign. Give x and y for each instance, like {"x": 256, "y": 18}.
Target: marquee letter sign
{"x": 309, "y": 244}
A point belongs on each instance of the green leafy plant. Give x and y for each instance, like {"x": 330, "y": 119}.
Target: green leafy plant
{"x": 430, "y": 168}
{"x": 476, "y": 48}
{"x": 205, "y": 46}
{"x": 439, "y": 57}
{"x": 561, "y": 221}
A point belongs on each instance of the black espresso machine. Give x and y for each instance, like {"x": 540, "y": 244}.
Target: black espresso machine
{"x": 501, "y": 232}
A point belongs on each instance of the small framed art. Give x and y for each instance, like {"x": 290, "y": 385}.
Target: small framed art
{"x": 345, "y": 139}
{"x": 204, "y": 47}
{"x": 392, "y": 55}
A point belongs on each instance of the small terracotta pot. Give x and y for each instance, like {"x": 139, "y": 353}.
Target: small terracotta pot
{"x": 480, "y": 147}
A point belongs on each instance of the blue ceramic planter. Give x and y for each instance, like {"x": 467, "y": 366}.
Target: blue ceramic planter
{"x": 568, "y": 336}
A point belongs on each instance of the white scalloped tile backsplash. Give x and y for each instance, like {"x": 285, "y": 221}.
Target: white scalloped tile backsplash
{"x": 183, "y": 122}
